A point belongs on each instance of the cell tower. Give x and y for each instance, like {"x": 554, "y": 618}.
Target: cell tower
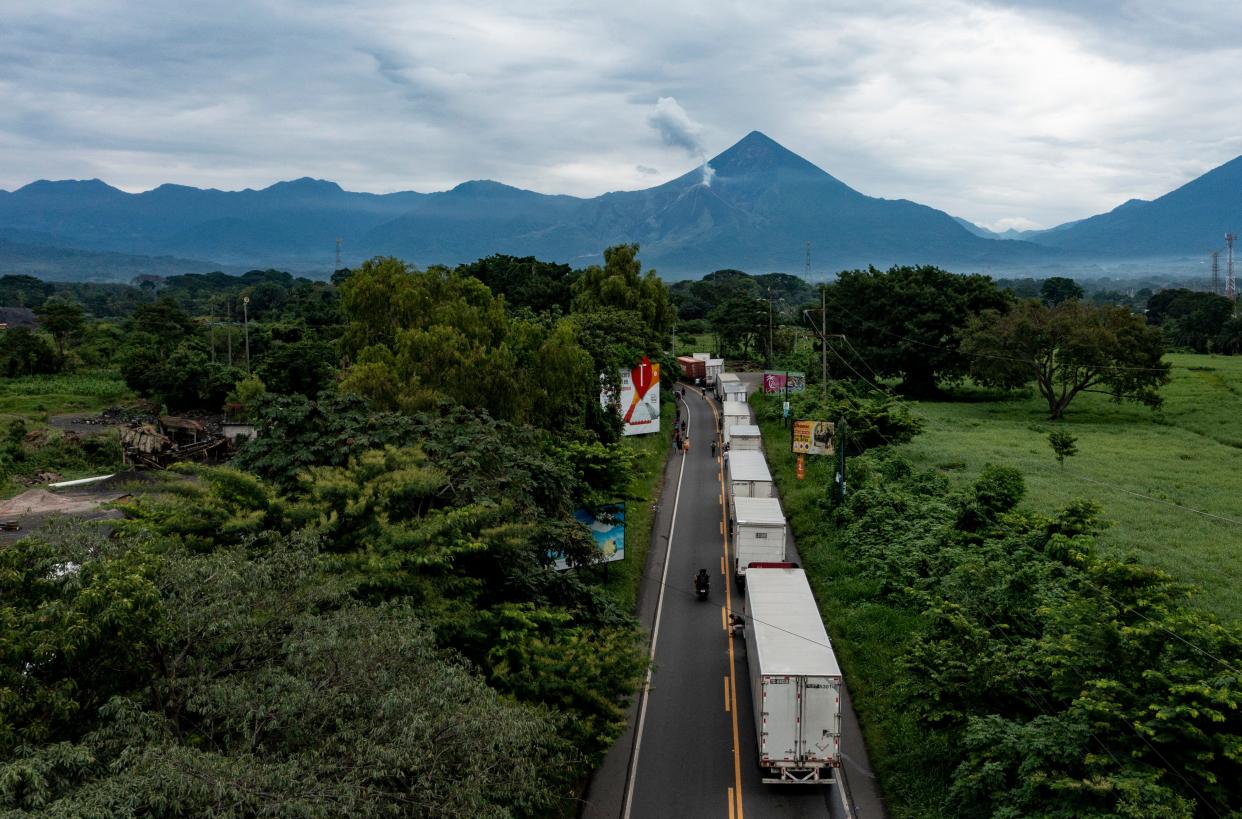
{"x": 1215, "y": 254}
{"x": 338, "y": 253}
{"x": 1231, "y": 289}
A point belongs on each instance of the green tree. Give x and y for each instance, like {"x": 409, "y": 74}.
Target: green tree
{"x": 1190, "y": 319}
{"x": 62, "y": 320}
{"x": 909, "y": 321}
{"x": 1057, "y": 289}
{"x": 741, "y": 321}
{"x": 305, "y": 366}
{"x": 621, "y": 284}
{"x": 1068, "y": 349}
{"x": 23, "y": 352}
{"x": 525, "y": 283}
{"x": 1063, "y": 445}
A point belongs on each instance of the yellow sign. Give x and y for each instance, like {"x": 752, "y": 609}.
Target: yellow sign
{"x": 814, "y": 437}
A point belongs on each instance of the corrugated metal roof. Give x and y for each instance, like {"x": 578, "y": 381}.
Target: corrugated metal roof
{"x": 789, "y": 633}
{"x": 748, "y": 465}
{"x": 758, "y": 510}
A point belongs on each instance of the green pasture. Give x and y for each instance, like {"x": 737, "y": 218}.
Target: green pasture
{"x": 1147, "y": 469}
{"x": 33, "y": 398}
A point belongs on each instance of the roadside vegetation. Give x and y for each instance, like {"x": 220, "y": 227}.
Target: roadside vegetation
{"x": 359, "y": 615}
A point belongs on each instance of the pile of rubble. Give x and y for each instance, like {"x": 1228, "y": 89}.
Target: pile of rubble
{"x": 168, "y": 439}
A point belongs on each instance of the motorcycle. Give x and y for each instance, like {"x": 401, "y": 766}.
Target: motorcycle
{"x": 701, "y": 585}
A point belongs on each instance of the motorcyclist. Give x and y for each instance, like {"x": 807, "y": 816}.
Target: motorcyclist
{"x": 701, "y": 581}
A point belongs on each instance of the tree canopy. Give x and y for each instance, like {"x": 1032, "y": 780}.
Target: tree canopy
{"x": 1066, "y": 350}
{"x": 909, "y": 321}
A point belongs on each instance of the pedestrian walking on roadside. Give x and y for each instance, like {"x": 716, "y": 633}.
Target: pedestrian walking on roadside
{"x": 685, "y": 446}
{"x": 713, "y": 447}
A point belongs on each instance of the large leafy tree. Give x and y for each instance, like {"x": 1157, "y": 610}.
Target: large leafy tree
{"x": 909, "y": 321}
{"x": 621, "y": 284}
{"x": 63, "y": 320}
{"x": 525, "y": 283}
{"x": 1067, "y": 350}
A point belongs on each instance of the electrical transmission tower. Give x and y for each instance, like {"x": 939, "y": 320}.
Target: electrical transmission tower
{"x": 1231, "y": 289}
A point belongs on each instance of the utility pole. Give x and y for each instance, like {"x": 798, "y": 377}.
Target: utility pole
{"x": 1231, "y": 289}
{"x": 1216, "y": 272}
{"x": 823, "y": 333}
{"x": 246, "y": 328}
{"x": 769, "y": 326}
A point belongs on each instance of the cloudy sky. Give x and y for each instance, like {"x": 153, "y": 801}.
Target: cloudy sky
{"x": 1006, "y": 113}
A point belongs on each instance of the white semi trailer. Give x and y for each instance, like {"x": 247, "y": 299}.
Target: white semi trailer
{"x": 795, "y": 681}
{"x": 733, "y": 413}
{"x": 759, "y": 534}
{"x": 747, "y": 475}
{"x": 715, "y": 366}
{"x": 724, "y": 381}
{"x": 743, "y": 436}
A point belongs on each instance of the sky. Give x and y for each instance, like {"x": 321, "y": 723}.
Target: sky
{"x": 1009, "y": 114}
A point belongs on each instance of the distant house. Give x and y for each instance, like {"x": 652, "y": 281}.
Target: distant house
{"x": 17, "y": 317}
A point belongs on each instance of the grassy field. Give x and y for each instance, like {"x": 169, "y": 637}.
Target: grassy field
{"x": 624, "y": 576}
{"x": 33, "y": 398}
{"x": 1147, "y": 469}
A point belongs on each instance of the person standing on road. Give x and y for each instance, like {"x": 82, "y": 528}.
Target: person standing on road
{"x": 686, "y": 446}
{"x": 713, "y": 447}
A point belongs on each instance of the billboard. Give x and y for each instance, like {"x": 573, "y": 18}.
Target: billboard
{"x": 778, "y": 380}
{"x": 814, "y": 437}
{"x": 607, "y": 526}
{"x": 639, "y": 403}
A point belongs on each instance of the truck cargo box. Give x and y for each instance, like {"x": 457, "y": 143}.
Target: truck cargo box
{"x": 691, "y": 368}
{"x": 715, "y": 366}
{"x": 743, "y": 437}
{"x": 733, "y": 413}
{"x": 724, "y": 380}
{"x": 759, "y": 534}
{"x": 795, "y": 680}
{"x": 747, "y": 475}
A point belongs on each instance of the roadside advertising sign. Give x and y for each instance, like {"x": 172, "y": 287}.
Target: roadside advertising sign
{"x": 639, "y": 402}
{"x": 607, "y": 526}
{"x": 775, "y": 381}
{"x": 814, "y": 437}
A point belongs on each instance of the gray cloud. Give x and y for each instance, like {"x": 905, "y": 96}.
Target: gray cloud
{"x": 1031, "y": 112}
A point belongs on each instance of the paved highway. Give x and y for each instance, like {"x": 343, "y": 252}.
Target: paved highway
{"x": 690, "y": 749}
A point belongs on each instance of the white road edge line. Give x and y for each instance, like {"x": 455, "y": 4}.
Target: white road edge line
{"x": 655, "y": 632}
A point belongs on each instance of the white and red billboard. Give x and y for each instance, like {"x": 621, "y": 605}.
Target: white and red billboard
{"x": 639, "y": 403}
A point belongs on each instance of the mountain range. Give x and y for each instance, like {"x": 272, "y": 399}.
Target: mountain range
{"x": 756, "y": 212}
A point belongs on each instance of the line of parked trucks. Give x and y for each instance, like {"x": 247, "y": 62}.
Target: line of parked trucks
{"x": 795, "y": 680}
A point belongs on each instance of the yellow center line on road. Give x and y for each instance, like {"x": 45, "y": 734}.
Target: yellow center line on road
{"x": 724, "y": 619}
{"x": 735, "y": 793}
{"x": 726, "y": 683}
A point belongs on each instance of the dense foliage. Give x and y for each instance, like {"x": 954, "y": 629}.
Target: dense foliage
{"x": 361, "y": 615}
{"x": 1046, "y": 679}
{"x": 908, "y": 322}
